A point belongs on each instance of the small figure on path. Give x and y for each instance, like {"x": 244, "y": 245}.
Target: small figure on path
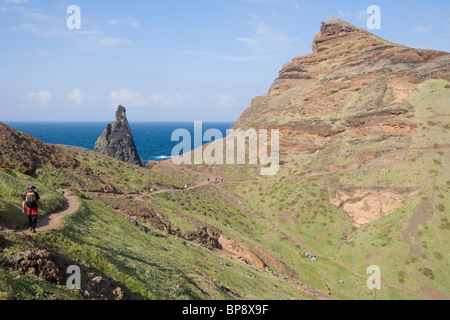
{"x": 30, "y": 202}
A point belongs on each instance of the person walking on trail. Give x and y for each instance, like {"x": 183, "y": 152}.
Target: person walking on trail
{"x": 30, "y": 202}
{"x": 185, "y": 187}
{"x": 151, "y": 191}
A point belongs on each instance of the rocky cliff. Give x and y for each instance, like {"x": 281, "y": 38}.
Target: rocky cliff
{"x": 353, "y": 81}
{"x": 362, "y": 108}
{"x": 117, "y": 140}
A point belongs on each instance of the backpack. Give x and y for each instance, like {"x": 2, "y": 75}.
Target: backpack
{"x": 30, "y": 199}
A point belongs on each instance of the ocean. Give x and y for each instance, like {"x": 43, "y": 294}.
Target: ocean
{"x": 153, "y": 139}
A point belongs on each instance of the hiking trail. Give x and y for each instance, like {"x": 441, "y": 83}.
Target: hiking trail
{"x": 54, "y": 220}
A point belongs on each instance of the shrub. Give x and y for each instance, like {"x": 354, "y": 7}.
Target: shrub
{"x": 81, "y": 195}
{"x": 427, "y": 273}
{"x": 8, "y": 171}
{"x": 445, "y": 226}
{"x": 438, "y": 255}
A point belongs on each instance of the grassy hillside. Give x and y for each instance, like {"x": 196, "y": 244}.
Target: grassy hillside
{"x": 249, "y": 237}
{"x": 13, "y": 185}
{"x": 150, "y": 263}
{"x": 153, "y": 264}
{"x": 409, "y": 242}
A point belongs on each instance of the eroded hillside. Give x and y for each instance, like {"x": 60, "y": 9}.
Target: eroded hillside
{"x": 363, "y": 181}
{"x": 365, "y": 135}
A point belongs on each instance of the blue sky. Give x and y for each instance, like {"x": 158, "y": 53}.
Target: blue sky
{"x": 174, "y": 60}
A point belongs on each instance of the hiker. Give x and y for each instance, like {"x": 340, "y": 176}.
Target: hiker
{"x": 215, "y": 180}
{"x": 151, "y": 191}
{"x": 209, "y": 181}
{"x": 30, "y": 201}
{"x": 185, "y": 187}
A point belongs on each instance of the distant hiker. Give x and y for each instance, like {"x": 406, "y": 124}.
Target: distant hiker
{"x": 151, "y": 191}
{"x": 30, "y": 201}
{"x": 215, "y": 180}
{"x": 209, "y": 181}
{"x": 185, "y": 187}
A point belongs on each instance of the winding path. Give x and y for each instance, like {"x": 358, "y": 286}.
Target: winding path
{"x": 53, "y": 221}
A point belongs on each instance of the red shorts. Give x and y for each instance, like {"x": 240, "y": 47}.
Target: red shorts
{"x": 32, "y": 211}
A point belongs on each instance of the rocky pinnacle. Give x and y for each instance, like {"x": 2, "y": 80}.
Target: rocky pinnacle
{"x": 117, "y": 141}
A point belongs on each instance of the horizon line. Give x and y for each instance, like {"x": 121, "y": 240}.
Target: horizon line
{"x": 108, "y": 121}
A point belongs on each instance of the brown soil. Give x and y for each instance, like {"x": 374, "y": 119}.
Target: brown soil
{"x": 366, "y": 205}
{"x": 239, "y": 252}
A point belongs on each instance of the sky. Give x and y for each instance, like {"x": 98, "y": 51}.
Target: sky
{"x": 174, "y": 60}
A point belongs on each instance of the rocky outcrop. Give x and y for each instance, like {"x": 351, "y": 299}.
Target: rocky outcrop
{"x": 52, "y": 267}
{"x": 362, "y": 101}
{"x": 351, "y": 75}
{"x": 150, "y": 164}
{"x": 117, "y": 141}
{"x": 366, "y": 205}
{"x": 332, "y": 29}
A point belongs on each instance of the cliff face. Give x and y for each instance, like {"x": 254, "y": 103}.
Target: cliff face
{"x": 117, "y": 141}
{"x": 359, "y": 113}
{"x": 354, "y": 80}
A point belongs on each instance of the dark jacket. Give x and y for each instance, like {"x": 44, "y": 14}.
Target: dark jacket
{"x": 37, "y": 197}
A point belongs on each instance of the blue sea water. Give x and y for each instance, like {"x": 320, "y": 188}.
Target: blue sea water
{"x": 153, "y": 139}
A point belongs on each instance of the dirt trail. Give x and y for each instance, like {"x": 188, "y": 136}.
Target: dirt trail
{"x": 179, "y": 190}
{"x": 53, "y": 221}
{"x": 140, "y": 196}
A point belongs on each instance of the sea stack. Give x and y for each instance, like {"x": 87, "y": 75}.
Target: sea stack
{"x": 117, "y": 141}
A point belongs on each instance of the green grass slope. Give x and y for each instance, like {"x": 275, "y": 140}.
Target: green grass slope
{"x": 150, "y": 264}
{"x": 156, "y": 245}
